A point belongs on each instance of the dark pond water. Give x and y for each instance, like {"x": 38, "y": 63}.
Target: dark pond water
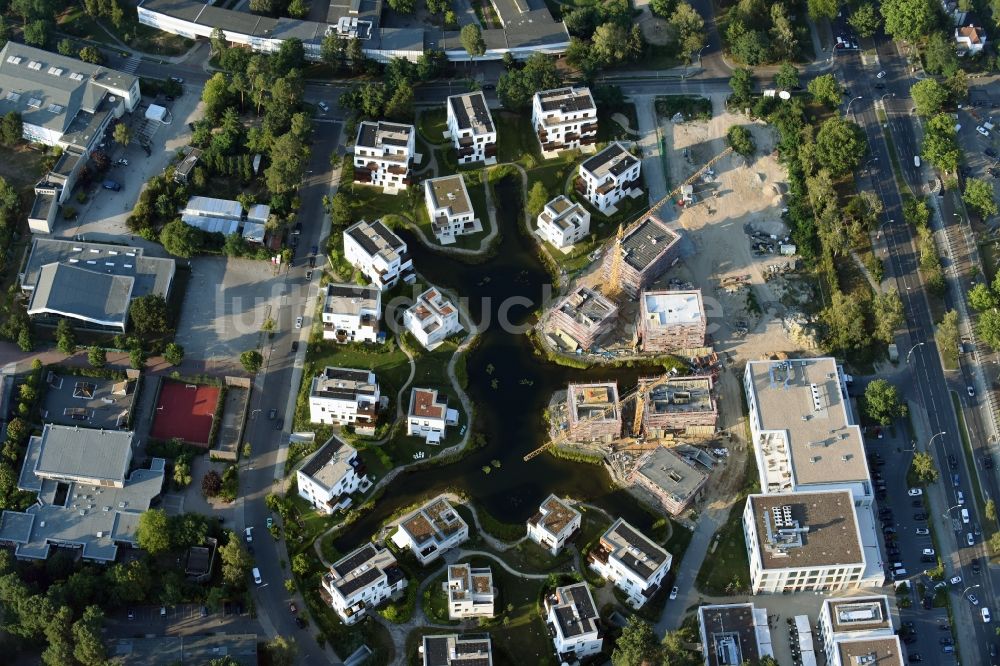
{"x": 512, "y": 283}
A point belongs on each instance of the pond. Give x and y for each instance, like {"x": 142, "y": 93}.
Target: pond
{"x": 510, "y": 387}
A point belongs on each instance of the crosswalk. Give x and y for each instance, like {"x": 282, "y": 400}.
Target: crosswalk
{"x": 131, "y": 65}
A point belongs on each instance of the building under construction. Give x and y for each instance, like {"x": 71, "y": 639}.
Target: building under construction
{"x": 594, "y": 413}
{"x": 581, "y": 318}
{"x": 678, "y": 404}
{"x": 640, "y": 255}
{"x": 670, "y": 321}
{"x": 674, "y": 481}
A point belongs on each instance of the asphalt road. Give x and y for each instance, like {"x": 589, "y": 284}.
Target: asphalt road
{"x": 928, "y": 387}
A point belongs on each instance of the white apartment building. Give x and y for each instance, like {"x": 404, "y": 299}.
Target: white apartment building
{"x": 804, "y": 541}
{"x": 449, "y": 208}
{"x": 471, "y": 128}
{"x": 328, "y": 477}
{"x": 432, "y": 318}
{"x": 734, "y": 634}
{"x": 429, "y": 415}
{"x": 344, "y": 396}
{"x": 431, "y": 530}
{"x": 351, "y": 313}
{"x": 384, "y": 154}
{"x": 573, "y": 619}
{"x": 377, "y": 252}
{"x": 564, "y": 119}
{"x": 563, "y": 222}
{"x": 470, "y": 592}
{"x": 456, "y": 650}
{"x": 608, "y": 177}
{"x": 970, "y": 39}
{"x": 361, "y": 580}
{"x": 848, "y": 620}
{"x": 631, "y": 561}
{"x": 805, "y": 438}
{"x": 554, "y": 524}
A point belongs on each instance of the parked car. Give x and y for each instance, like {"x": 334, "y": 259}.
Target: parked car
{"x": 920, "y": 516}
{"x": 163, "y": 611}
{"x": 323, "y": 105}
{"x": 298, "y": 322}
{"x": 915, "y": 492}
{"x": 982, "y": 130}
{"x": 292, "y": 607}
{"x": 956, "y": 580}
{"x": 131, "y": 613}
{"x": 673, "y": 592}
{"x": 299, "y": 622}
{"x": 256, "y": 576}
{"x": 917, "y": 504}
{"x": 315, "y": 249}
{"x": 971, "y": 391}
{"x": 272, "y": 414}
{"x": 269, "y": 522}
{"x": 309, "y": 275}
{"x": 279, "y": 424}
{"x": 969, "y": 539}
{"x": 965, "y": 516}
{"x": 989, "y": 152}
{"x": 295, "y": 346}
{"x": 111, "y": 185}
{"x": 972, "y": 598}
{"x": 923, "y": 531}
{"x": 952, "y": 462}
{"x": 985, "y": 612}
{"x": 248, "y": 533}
{"x": 928, "y": 551}
{"x": 880, "y": 75}
{"x": 946, "y": 641}
{"x": 959, "y": 497}
{"x": 176, "y": 79}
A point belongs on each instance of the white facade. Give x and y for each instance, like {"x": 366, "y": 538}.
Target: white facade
{"x": 553, "y": 525}
{"x": 384, "y": 154}
{"x": 449, "y": 208}
{"x": 631, "y": 561}
{"x": 470, "y": 592}
{"x": 563, "y": 222}
{"x": 564, "y": 119}
{"x": 735, "y": 634}
{"x": 429, "y": 415}
{"x": 471, "y": 128}
{"x": 970, "y": 39}
{"x": 608, "y": 177}
{"x": 351, "y": 313}
{"x": 573, "y": 618}
{"x": 361, "y": 580}
{"x": 329, "y": 475}
{"x": 378, "y": 253}
{"x": 853, "y": 618}
{"x": 432, "y": 318}
{"x": 431, "y": 530}
{"x": 343, "y": 396}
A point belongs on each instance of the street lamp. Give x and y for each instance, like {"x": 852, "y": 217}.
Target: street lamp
{"x": 849, "y": 104}
{"x": 699, "y": 53}
{"x": 971, "y": 587}
{"x": 882, "y": 98}
{"x": 935, "y": 437}
{"x": 947, "y": 514}
{"x": 911, "y": 351}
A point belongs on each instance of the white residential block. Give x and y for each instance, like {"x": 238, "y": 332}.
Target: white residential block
{"x": 554, "y": 524}
{"x": 384, "y": 154}
{"x": 361, "y": 580}
{"x": 377, "y": 252}
{"x": 351, "y": 313}
{"x": 609, "y": 176}
{"x": 563, "y": 222}
{"x": 564, "y": 119}
{"x": 432, "y": 318}
{"x": 343, "y": 396}
{"x": 471, "y": 128}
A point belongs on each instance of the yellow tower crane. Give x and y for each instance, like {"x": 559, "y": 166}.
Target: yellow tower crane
{"x": 640, "y": 401}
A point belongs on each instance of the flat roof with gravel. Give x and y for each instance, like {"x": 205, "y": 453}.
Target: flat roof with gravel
{"x": 802, "y": 530}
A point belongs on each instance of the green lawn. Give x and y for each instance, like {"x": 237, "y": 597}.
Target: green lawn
{"x": 610, "y": 130}
{"x": 75, "y": 22}
{"x": 431, "y": 124}
{"x": 371, "y": 203}
{"x": 726, "y": 569}
{"x": 435, "y": 601}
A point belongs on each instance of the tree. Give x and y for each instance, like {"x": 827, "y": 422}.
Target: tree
{"x": 59, "y": 638}
{"x": 281, "y": 651}
{"x": 637, "y": 645}
{"x": 472, "y": 41}
{"x": 218, "y": 41}
{"x": 66, "y": 47}
{"x": 403, "y": 6}
{"x": 400, "y": 105}
{"x": 908, "y": 20}
{"x": 211, "y": 483}
{"x": 291, "y": 55}
{"x": 298, "y": 9}
{"x": 122, "y": 135}
{"x": 939, "y": 55}
{"x": 988, "y": 328}
{"x": 982, "y": 298}
{"x": 787, "y": 77}
{"x": 65, "y": 338}
{"x": 940, "y": 143}
{"x": 92, "y": 55}
{"x": 340, "y": 210}
{"x": 89, "y": 647}
{"x": 333, "y": 50}
{"x": 182, "y": 472}
{"x": 137, "y": 358}
{"x": 865, "y": 20}
{"x": 149, "y": 314}
{"x": 251, "y": 360}
{"x": 97, "y": 357}
{"x": 153, "y": 533}
{"x": 516, "y": 87}
{"x": 741, "y": 83}
{"x": 741, "y": 140}
{"x": 840, "y": 145}
{"x": 663, "y": 8}
{"x": 923, "y": 468}
{"x": 538, "y": 196}
{"x": 887, "y": 311}
{"x": 845, "y": 322}
{"x": 300, "y": 565}
{"x": 180, "y": 239}
{"x": 675, "y": 651}
{"x": 826, "y": 90}
{"x": 216, "y": 95}
{"x": 36, "y": 33}
{"x": 820, "y": 9}
{"x": 995, "y": 543}
{"x": 979, "y": 196}
{"x": 882, "y": 402}
{"x": 991, "y": 510}
{"x": 11, "y": 128}
{"x": 946, "y": 337}
{"x": 173, "y": 354}
{"x": 929, "y": 97}
{"x": 285, "y": 172}
{"x": 236, "y": 562}
{"x": 750, "y": 47}
{"x": 689, "y": 28}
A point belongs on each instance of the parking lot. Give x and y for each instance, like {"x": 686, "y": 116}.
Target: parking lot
{"x": 181, "y": 620}
{"x": 978, "y": 162}
{"x": 91, "y": 402}
{"x": 103, "y": 216}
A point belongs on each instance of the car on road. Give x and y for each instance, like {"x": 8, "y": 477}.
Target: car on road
{"x": 946, "y": 641}
{"x": 965, "y": 516}
{"x": 673, "y": 592}
{"x": 297, "y": 229}
{"x": 928, "y": 551}
{"x": 256, "y": 576}
{"x": 956, "y": 580}
{"x": 971, "y": 391}
{"x": 279, "y": 424}
{"x": 879, "y": 86}
{"x": 982, "y": 130}
{"x": 248, "y": 533}
{"x": 915, "y": 657}
{"x": 315, "y": 249}
{"x": 923, "y": 531}
{"x": 985, "y": 612}
{"x": 299, "y": 622}
{"x": 121, "y": 162}
{"x": 969, "y": 539}
{"x": 204, "y": 611}
{"x": 295, "y": 346}
{"x": 131, "y": 613}
{"x": 880, "y": 75}
{"x": 298, "y": 322}
{"x": 975, "y": 568}
{"x": 323, "y": 105}
{"x": 272, "y": 414}
{"x": 163, "y": 611}
{"x": 959, "y": 497}
{"x": 973, "y": 599}
{"x": 112, "y": 185}
{"x": 176, "y": 79}
{"x": 309, "y": 275}
{"x": 914, "y": 492}
{"x": 920, "y": 516}
{"x": 292, "y": 607}
{"x": 269, "y": 522}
